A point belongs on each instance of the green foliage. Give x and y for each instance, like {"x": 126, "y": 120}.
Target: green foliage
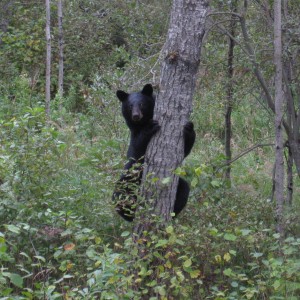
{"x": 59, "y": 235}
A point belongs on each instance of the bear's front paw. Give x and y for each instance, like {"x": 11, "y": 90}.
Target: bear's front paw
{"x": 155, "y": 125}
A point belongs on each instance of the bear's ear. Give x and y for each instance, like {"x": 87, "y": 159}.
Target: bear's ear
{"x": 147, "y": 90}
{"x": 122, "y": 95}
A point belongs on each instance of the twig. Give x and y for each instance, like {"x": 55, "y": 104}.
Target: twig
{"x": 243, "y": 153}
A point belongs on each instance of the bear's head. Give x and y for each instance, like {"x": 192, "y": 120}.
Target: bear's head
{"x": 137, "y": 108}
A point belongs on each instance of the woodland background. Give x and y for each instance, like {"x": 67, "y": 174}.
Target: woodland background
{"x": 59, "y": 235}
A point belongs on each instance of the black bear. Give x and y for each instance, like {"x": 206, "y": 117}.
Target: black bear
{"x": 137, "y": 110}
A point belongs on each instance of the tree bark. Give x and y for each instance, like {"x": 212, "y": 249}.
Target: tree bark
{"x": 48, "y": 59}
{"x": 290, "y": 179}
{"x": 292, "y": 127}
{"x": 61, "y": 51}
{"x": 279, "y": 100}
{"x": 181, "y": 57}
{"x": 229, "y": 100}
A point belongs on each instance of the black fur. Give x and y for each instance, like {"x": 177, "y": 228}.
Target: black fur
{"x": 137, "y": 110}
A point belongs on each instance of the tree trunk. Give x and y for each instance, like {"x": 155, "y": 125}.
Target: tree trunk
{"x": 229, "y": 100}
{"x": 279, "y": 169}
{"x": 48, "y": 58}
{"x": 292, "y": 128}
{"x": 181, "y": 57}
{"x": 61, "y": 51}
{"x": 295, "y": 148}
{"x": 290, "y": 179}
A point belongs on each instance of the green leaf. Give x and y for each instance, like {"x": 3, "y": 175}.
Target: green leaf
{"x": 40, "y": 258}
{"x": 276, "y": 284}
{"x": 215, "y": 183}
{"x": 194, "y": 182}
{"x": 180, "y": 172}
{"x": 16, "y": 279}
{"x": 213, "y": 231}
{"x": 229, "y": 237}
{"x": 13, "y": 228}
{"x": 67, "y": 276}
{"x": 161, "y": 243}
{"x": 170, "y": 229}
{"x": 227, "y": 272}
{"x": 166, "y": 180}
{"x": 198, "y": 171}
{"x": 152, "y": 283}
{"x": 245, "y": 232}
{"x": 125, "y": 233}
{"x": 3, "y": 248}
{"x": 257, "y": 254}
{"x": 187, "y": 263}
{"x": 195, "y": 274}
{"x": 161, "y": 290}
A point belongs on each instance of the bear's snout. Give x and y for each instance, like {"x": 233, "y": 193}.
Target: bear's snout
{"x": 136, "y": 117}
{"x": 136, "y": 114}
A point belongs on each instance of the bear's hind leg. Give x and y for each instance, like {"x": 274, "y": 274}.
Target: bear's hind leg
{"x": 182, "y": 195}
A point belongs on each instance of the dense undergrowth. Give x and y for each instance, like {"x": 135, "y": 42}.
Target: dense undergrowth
{"x": 61, "y": 239}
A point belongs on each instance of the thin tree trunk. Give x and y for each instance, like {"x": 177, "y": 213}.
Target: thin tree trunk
{"x": 48, "y": 59}
{"x": 290, "y": 179}
{"x": 279, "y": 169}
{"x": 181, "y": 57}
{"x": 61, "y": 51}
{"x": 229, "y": 102}
{"x": 292, "y": 112}
{"x": 292, "y": 131}
{"x": 295, "y": 146}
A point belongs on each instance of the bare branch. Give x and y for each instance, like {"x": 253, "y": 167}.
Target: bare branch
{"x": 243, "y": 154}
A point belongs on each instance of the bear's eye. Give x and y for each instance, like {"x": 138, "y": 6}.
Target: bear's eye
{"x": 141, "y": 105}
{"x": 130, "y": 106}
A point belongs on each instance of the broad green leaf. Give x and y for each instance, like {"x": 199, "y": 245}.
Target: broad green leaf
{"x": 170, "y": 229}
{"x": 195, "y": 273}
{"x": 194, "y": 182}
{"x": 161, "y": 243}
{"x": 229, "y": 237}
{"x": 40, "y": 258}
{"x": 245, "y": 232}
{"x": 161, "y": 290}
{"x": 16, "y": 279}
{"x": 13, "y": 228}
{"x": 213, "y": 231}
{"x": 276, "y": 284}
{"x": 227, "y": 272}
{"x": 257, "y": 254}
{"x": 215, "y": 183}
{"x": 125, "y": 233}
{"x": 187, "y": 263}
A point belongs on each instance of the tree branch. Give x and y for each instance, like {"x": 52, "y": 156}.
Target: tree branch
{"x": 248, "y": 49}
{"x": 242, "y": 154}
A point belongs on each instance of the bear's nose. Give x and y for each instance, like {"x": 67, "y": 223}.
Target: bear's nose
{"x": 136, "y": 117}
